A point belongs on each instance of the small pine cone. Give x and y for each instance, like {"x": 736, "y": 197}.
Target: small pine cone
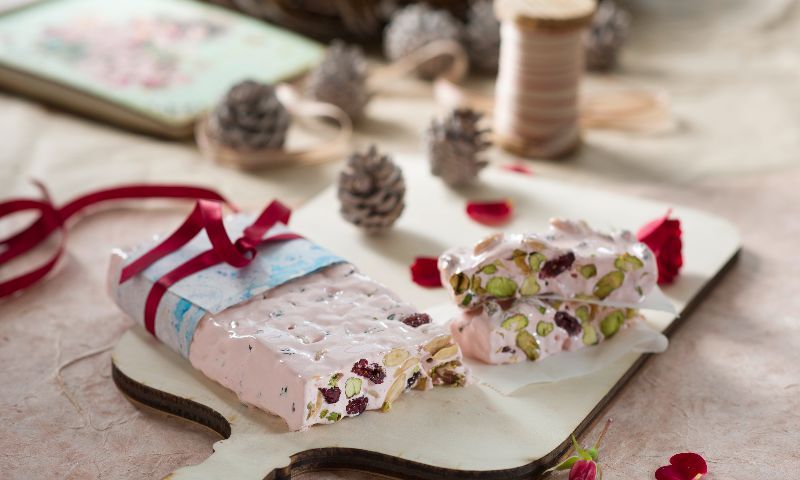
{"x": 455, "y": 145}
{"x": 250, "y": 117}
{"x": 341, "y": 79}
{"x": 415, "y": 26}
{"x": 371, "y": 191}
{"x": 606, "y": 36}
{"x": 482, "y": 35}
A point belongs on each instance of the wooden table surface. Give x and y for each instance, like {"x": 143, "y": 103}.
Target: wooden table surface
{"x": 728, "y": 386}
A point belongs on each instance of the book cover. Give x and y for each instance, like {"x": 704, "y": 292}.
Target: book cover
{"x": 166, "y": 61}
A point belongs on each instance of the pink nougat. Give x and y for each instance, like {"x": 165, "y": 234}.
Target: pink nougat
{"x": 531, "y": 329}
{"x": 571, "y": 261}
{"x": 319, "y": 348}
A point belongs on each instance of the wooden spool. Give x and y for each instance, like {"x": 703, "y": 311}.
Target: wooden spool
{"x": 541, "y": 64}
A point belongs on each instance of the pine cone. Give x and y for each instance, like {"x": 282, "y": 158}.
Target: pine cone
{"x": 250, "y": 117}
{"x": 606, "y": 36}
{"x": 482, "y": 34}
{"x": 341, "y": 79}
{"x": 415, "y": 26}
{"x": 455, "y": 145}
{"x": 371, "y": 190}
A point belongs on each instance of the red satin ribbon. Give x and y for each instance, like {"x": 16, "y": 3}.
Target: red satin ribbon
{"x": 51, "y": 219}
{"x": 207, "y": 215}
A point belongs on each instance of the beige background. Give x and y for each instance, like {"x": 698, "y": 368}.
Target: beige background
{"x": 727, "y": 387}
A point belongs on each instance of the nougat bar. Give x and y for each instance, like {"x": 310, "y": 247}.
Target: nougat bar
{"x": 322, "y": 347}
{"x": 531, "y": 329}
{"x": 571, "y": 261}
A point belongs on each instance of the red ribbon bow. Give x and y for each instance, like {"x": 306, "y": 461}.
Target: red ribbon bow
{"x": 51, "y": 219}
{"x": 207, "y": 215}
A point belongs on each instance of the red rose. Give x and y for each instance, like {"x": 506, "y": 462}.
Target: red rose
{"x": 583, "y": 470}
{"x": 663, "y": 236}
{"x": 425, "y": 272}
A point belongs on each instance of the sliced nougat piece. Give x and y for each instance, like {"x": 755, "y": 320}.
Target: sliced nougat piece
{"x": 532, "y": 329}
{"x": 323, "y": 347}
{"x": 571, "y": 261}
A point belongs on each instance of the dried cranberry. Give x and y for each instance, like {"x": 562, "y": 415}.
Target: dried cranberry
{"x": 412, "y": 380}
{"x": 331, "y": 394}
{"x": 356, "y": 406}
{"x": 417, "y": 319}
{"x": 557, "y": 266}
{"x": 568, "y": 323}
{"x": 374, "y": 372}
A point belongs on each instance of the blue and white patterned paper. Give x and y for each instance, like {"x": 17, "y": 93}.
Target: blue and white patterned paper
{"x": 219, "y": 287}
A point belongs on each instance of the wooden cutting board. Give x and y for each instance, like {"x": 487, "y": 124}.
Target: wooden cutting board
{"x": 471, "y": 432}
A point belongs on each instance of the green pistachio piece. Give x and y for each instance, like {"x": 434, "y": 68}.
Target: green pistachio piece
{"x": 520, "y": 261}
{"x": 611, "y": 323}
{"x": 528, "y": 344}
{"x": 334, "y": 380}
{"x": 459, "y": 282}
{"x": 530, "y": 286}
{"x": 489, "y": 269}
{"x": 334, "y": 417}
{"x": 588, "y": 271}
{"x": 323, "y": 413}
{"x": 630, "y": 313}
{"x": 556, "y": 303}
{"x": 501, "y": 287}
{"x": 608, "y": 283}
{"x": 544, "y": 328}
{"x": 310, "y": 408}
{"x": 582, "y": 313}
{"x": 536, "y": 260}
{"x": 589, "y": 334}
{"x": 515, "y": 323}
{"x": 542, "y": 309}
{"x": 352, "y": 387}
{"x": 627, "y": 262}
{"x": 467, "y": 300}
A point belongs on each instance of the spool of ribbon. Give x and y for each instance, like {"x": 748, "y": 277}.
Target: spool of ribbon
{"x": 207, "y": 216}
{"x": 52, "y": 219}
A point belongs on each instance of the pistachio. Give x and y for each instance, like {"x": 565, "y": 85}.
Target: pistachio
{"x": 334, "y": 380}
{"x": 536, "y": 260}
{"x": 352, "y": 386}
{"x": 608, "y": 283}
{"x": 530, "y": 286}
{"x": 501, "y": 287}
{"x": 535, "y": 244}
{"x": 310, "y": 408}
{"x": 589, "y": 334}
{"x": 410, "y": 362}
{"x": 334, "y": 417}
{"x": 438, "y": 343}
{"x": 459, "y": 282}
{"x": 489, "y": 269}
{"x": 544, "y": 328}
{"x": 630, "y": 313}
{"x": 323, "y": 413}
{"x": 476, "y": 285}
{"x": 466, "y": 300}
{"x": 588, "y": 271}
{"x": 515, "y": 323}
{"x": 395, "y": 357}
{"x": 519, "y": 259}
{"x": 528, "y": 344}
{"x": 611, "y": 323}
{"x": 542, "y": 309}
{"x": 627, "y": 262}
{"x": 582, "y": 313}
{"x": 446, "y": 352}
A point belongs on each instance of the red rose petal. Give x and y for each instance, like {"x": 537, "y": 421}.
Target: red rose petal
{"x": 425, "y": 272}
{"x": 663, "y": 237}
{"x": 517, "y": 168}
{"x": 668, "y": 473}
{"x": 691, "y": 464}
{"x": 490, "y": 213}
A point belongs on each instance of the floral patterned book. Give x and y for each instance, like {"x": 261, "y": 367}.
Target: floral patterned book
{"x": 149, "y": 65}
